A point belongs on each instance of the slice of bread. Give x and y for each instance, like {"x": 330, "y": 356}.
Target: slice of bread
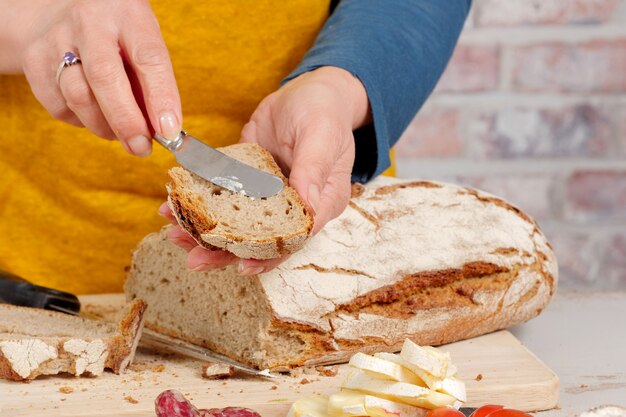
{"x": 250, "y": 228}
{"x": 37, "y": 342}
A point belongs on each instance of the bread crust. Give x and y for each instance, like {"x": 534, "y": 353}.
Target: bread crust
{"x": 428, "y": 261}
{"x": 189, "y": 208}
{"x": 77, "y": 355}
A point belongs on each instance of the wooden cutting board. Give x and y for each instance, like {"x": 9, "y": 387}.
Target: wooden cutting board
{"x": 496, "y": 368}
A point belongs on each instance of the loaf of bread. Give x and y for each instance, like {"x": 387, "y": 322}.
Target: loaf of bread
{"x": 428, "y": 261}
{"x": 260, "y": 228}
{"x": 36, "y": 342}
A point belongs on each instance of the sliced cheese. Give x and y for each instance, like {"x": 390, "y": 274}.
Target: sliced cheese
{"x": 431, "y": 381}
{"x": 454, "y": 387}
{"x": 452, "y": 371}
{"x": 384, "y": 369}
{"x": 346, "y": 404}
{"x": 448, "y": 385}
{"x": 351, "y": 403}
{"x": 391, "y": 385}
{"x": 379, "y": 407}
{"x": 397, "y": 391}
{"x": 313, "y": 406}
{"x": 429, "y": 360}
{"x": 443, "y": 356}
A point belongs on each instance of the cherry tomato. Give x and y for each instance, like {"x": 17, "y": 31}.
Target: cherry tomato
{"x": 486, "y": 410}
{"x": 508, "y": 412}
{"x": 444, "y": 412}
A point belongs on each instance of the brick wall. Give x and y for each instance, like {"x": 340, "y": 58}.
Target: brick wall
{"x": 532, "y": 108}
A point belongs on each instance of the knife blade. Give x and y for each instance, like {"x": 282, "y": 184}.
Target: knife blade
{"x": 220, "y": 169}
{"x": 17, "y": 291}
{"x": 150, "y": 338}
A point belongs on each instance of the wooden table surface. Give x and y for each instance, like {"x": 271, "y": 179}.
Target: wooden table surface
{"x": 495, "y": 368}
{"x": 582, "y": 337}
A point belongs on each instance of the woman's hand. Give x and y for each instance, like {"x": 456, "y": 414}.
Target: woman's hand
{"x": 124, "y": 88}
{"x": 307, "y": 125}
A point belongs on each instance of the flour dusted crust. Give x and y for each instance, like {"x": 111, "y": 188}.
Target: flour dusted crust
{"x": 28, "y": 354}
{"x": 429, "y": 261}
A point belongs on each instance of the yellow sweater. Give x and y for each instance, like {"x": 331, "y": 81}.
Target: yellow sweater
{"x": 73, "y": 206}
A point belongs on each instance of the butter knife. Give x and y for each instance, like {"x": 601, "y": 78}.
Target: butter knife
{"x": 220, "y": 169}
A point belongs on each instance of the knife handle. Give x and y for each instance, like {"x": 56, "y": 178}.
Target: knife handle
{"x": 171, "y": 144}
{"x": 17, "y": 291}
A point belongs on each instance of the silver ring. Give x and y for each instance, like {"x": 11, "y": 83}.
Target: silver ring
{"x": 69, "y": 59}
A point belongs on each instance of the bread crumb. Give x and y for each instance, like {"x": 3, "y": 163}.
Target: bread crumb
{"x": 479, "y": 377}
{"x": 159, "y": 368}
{"x": 327, "y": 370}
{"x": 130, "y": 399}
{"x": 66, "y": 390}
{"x": 84, "y": 389}
{"x": 274, "y": 387}
{"x": 303, "y": 370}
{"x": 212, "y": 370}
{"x": 305, "y": 381}
{"x": 310, "y": 370}
{"x": 63, "y": 399}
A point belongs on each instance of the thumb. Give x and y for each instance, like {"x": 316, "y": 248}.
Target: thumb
{"x": 311, "y": 166}
{"x": 320, "y": 173}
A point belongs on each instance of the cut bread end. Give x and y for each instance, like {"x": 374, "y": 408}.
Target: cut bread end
{"x": 218, "y": 218}
{"x": 36, "y": 342}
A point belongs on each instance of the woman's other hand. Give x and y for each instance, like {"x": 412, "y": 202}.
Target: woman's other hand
{"x": 124, "y": 88}
{"x": 307, "y": 125}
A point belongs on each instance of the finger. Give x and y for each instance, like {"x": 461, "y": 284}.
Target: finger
{"x": 259, "y": 266}
{"x": 60, "y": 111}
{"x": 150, "y": 61}
{"x": 262, "y": 129}
{"x": 312, "y": 163}
{"x": 166, "y": 212}
{"x": 69, "y": 117}
{"x": 321, "y": 169}
{"x": 202, "y": 259}
{"x": 248, "y": 132}
{"x": 315, "y": 153}
{"x": 40, "y": 66}
{"x": 81, "y": 101}
{"x": 181, "y": 238}
{"x": 335, "y": 196}
{"x": 104, "y": 71}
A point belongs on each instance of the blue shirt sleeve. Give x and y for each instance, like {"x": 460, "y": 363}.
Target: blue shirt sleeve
{"x": 398, "y": 49}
